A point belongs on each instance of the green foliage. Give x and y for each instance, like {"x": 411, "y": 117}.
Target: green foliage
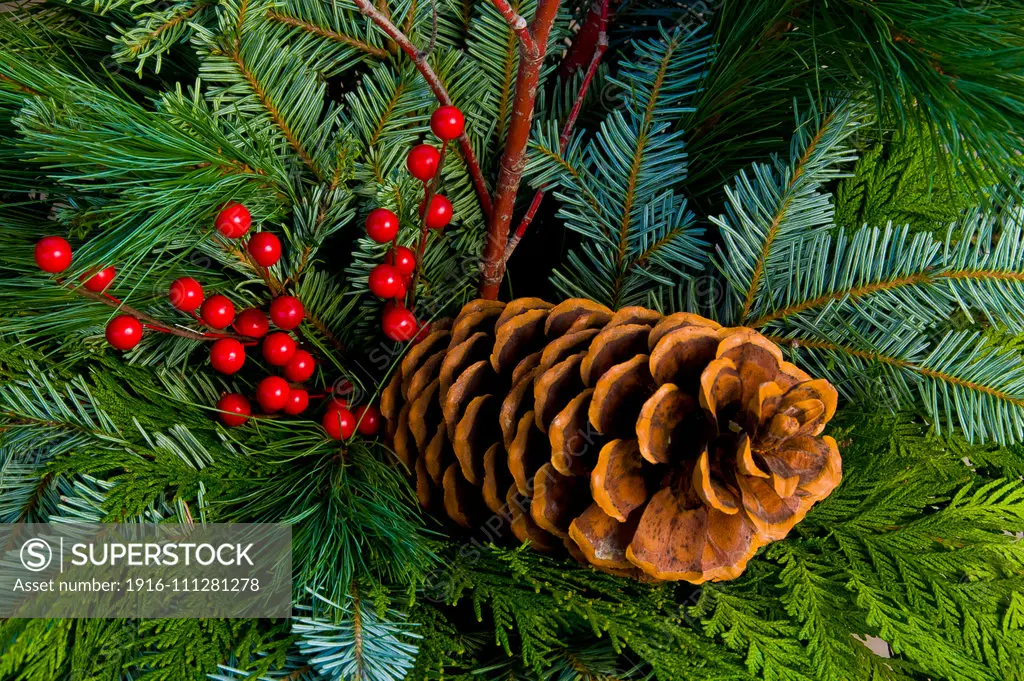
{"x": 616, "y": 189}
{"x": 895, "y": 181}
{"x": 354, "y": 642}
{"x": 951, "y": 66}
{"x": 127, "y": 126}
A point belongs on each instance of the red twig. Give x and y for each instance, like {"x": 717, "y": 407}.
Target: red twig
{"x": 570, "y": 122}
{"x": 419, "y": 58}
{"x": 518, "y": 25}
{"x": 154, "y": 323}
{"x": 513, "y": 160}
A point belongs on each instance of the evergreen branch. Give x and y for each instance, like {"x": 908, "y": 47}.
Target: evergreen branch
{"x": 781, "y": 202}
{"x": 875, "y": 272}
{"x": 962, "y": 380}
{"x": 21, "y": 87}
{"x": 419, "y": 58}
{"x": 773, "y": 229}
{"x": 275, "y": 114}
{"x": 637, "y": 231}
{"x": 329, "y": 34}
{"x": 900, "y": 364}
{"x": 632, "y": 178}
{"x": 910, "y": 281}
{"x": 139, "y": 44}
{"x": 355, "y": 642}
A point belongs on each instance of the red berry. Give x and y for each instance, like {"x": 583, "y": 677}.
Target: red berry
{"x": 386, "y": 282}
{"x": 440, "y": 212}
{"x": 337, "y": 403}
{"x": 339, "y": 423}
{"x": 403, "y": 259}
{"x": 227, "y": 355}
{"x": 286, "y": 312}
{"x": 278, "y": 348}
{"x": 422, "y": 161}
{"x": 217, "y": 312}
{"x": 124, "y": 332}
{"x": 381, "y": 225}
{"x": 422, "y": 333}
{"x": 233, "y": 220}
{"x": 53, "y": 254}
{"x": 97, "y": 282}
{"x": 186, "y": 294}
{"x": 398, "y": 323}
{"x": 272, "y": 393}
{"x": 234, "y": 408}
{"x": 368, "y": 417}
{"x": 297, "y": 402}
{"x": 447, "y": 122}
{"x": 265, "y": 248}
{"x": 252, "y": 323}
{"x": 300, "y": 367}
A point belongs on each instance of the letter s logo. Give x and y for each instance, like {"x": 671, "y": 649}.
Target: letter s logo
{"x": 36, "y": 555}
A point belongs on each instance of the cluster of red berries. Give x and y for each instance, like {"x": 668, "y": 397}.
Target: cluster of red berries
{"x": 227, "y": 354}
{"x": 53, "y": 254}
{"x": 234, "y": 221}
{"x": 341, "y": 423}
{"x": 123, "y": 332}
{"x": 391, "y": 279}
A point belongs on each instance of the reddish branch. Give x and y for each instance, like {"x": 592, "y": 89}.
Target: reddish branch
{"x": 419, "y": 58}
{"x": 518, "y": 26}
{"x": 600, "y": 45}
{"x": 153, "y": 322}
{"x": 513, "y": 160}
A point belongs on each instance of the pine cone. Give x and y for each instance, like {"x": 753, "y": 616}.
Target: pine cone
{"x": 661, "y": 447}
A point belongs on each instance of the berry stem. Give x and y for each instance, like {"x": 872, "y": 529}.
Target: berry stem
{"x": 419, "y": 58}
{"x": 151, "y": 322}
{"x": 429, "y": 189}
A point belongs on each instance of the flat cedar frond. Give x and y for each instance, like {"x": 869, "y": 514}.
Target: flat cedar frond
{"x": 896, "y": 181}
{"x": 616, "y": 190}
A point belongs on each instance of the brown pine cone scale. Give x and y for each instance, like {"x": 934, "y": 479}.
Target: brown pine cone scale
{"x": 658, "y": 447}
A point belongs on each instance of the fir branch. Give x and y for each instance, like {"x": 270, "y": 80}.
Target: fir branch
{"x": 781, "y": 202}
{"x": 961, "y": 380}
{"x": 354, "y": 642}
{"x": 156, "y": 32}
{"x": 274, "y": 112}
{"x": 639, "y": 236}
{"x": 329, "y": 34}
{"x": 872, "y": 273}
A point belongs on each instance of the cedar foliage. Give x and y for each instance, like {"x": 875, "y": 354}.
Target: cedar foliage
{"x": 699, "y": 177}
